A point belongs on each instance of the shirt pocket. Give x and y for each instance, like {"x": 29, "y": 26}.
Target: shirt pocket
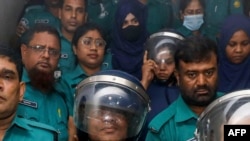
{"x": 62, "y": 126}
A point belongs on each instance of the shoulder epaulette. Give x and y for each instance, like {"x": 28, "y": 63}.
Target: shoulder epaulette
{"x": 156, "y": 124}
{"x": 34, "y": 8}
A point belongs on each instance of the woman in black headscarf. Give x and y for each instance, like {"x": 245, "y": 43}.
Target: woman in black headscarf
{"x": 129, "y": 35}
{"x": 234, "y": 49}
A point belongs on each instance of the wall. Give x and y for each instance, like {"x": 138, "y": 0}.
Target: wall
{"x": 10, "y": 11}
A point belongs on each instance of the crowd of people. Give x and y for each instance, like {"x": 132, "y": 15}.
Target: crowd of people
{"x": 121, "y": 69}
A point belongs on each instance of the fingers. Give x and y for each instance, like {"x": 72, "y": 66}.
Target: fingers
{"x": 145, "y": 57}
{"x": 20, "y": 29}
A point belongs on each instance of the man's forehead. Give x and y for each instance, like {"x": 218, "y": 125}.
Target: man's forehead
{"x": 198, "y": 65}
{"x": 74, "y": 3}
{"x": 7, "y": 64}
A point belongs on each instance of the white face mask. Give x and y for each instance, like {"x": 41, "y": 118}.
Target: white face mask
{"x": 193, "y": 22}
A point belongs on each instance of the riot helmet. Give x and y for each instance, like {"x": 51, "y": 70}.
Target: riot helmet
{"x": 112, "y": 104}
{"x": 230, "y": 109}
{"x": 161, "y": 46}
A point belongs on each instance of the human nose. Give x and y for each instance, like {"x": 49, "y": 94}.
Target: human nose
{"x": 162, "y": 66}
{"x": 109, "y": 118}
{"x": 238, "y": 48}
{"x": 73, "y": 14}
{"x": 45, "y": 53}
{"x": 1, "y": 84}
{"x": 93, "y": 45}
{"x": 201, "y": 80}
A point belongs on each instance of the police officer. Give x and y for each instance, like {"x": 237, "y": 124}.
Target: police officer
{"x": 72, "y": 14}
{"x": 216, "y": 11}
{"x": 47, "y": 13}
{"x": 40, "y": 52}
{"x": 102, "y": 13}
{"x": 110, "y": 105}
{"x": 14, "y": 128}
{"x": 231, "y": 109}
{"x": 154, "y": 21}
{"x": 158, "y": 72}
{"x": 90, "y": 48}
{"x": 192, "y": 16}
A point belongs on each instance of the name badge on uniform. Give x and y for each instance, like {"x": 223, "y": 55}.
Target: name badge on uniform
{"x": 64, "y": 56}
{"x": 42, "y": 21}
{"x": 29, "y": 103}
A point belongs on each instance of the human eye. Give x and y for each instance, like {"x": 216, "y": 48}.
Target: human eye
{"x": 8, "y": 75}
{"x": 86, "y": 41}
{"x": 209, "y": 73}
{"x": 67, "y": 8}
{"x": 125, "y": 23}
{"x": 191, "y": 75}
{"x": 96, "y": 113}
{"x": 199, "y": 11}
{"x": 80, "y": 10}
{"x": 38, "y": 48}
{"x": 53, "y": 52}
{"x": 232, "y": 44}
{"x": 170, "y": 62}
{"x": 189, "y": 12}
{"x": 100, "y": 43}
{"x": 135, "y": 21}
{"x": 245, "y": 43}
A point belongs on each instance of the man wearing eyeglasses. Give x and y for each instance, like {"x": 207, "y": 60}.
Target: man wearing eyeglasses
{"x": 40, "y": 52}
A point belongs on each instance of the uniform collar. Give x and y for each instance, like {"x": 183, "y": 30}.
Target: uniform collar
{"x": 78, "y": 72}
{"x": 20, "y": 123}
{"x": 25, "y": 77}
{"x": 183, "y": 111}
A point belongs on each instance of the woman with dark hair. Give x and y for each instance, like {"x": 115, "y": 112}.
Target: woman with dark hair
{"x": 192, "y": 16}
{"x": 89, "y": 46}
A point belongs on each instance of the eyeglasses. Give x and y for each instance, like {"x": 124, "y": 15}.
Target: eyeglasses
{"x": 41, "y": 49}
{"x": 99, "y": 43}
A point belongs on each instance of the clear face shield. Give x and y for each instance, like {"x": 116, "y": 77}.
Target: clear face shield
{"x": 109, "y": 107}
{"x": 230, "y": 109}
{"x": 161, "y": 47}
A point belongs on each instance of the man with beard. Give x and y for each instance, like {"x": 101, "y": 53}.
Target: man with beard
{"x": 40, "y": 52}
{"x": 197, "y": 73}
{"x": 12, "y": 127}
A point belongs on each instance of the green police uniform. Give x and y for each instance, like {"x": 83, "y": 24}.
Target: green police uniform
{"x": 38, "y": 14}
{"x": 25, "y": 130}
{"x": 187, "y": 33}
{"x": 159, "y": 15}
{"x": 49, "y": 108}
{"x": 216, "y": 11}
{"x": 184, "y": 31}
{"x": 175, "y": 123}
{"x": 102, "y": 13}
{"x": 176, "y": 20}
{"x": 67, "y": 61}
{"x": 68, "y": 82}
